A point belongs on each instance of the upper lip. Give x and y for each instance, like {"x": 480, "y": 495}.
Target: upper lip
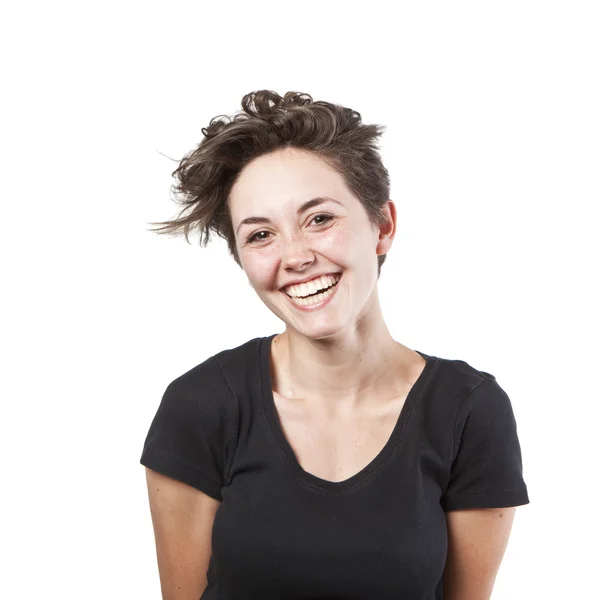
{"x": 297, "y": 281}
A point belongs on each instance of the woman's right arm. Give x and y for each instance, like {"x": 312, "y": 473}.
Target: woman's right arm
{"x": 182, "y": 517}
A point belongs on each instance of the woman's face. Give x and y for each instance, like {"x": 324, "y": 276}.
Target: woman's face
{"x": 294, "y": 220}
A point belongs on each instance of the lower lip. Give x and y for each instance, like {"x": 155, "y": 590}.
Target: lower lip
{"x": 317, "y": 305}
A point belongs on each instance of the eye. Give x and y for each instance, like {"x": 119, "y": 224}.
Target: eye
{"x": 255, "y": 237}
{"x": 326, "y": 218}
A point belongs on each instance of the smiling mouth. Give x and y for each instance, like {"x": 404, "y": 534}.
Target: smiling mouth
{"x": 337, "y": 277}
{"x": 317, "y": 299}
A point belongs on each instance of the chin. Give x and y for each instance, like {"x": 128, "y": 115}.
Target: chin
{"x": 317, "y": 331}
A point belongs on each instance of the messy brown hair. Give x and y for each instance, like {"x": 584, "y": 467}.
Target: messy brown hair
{"x": 268, "y": 123}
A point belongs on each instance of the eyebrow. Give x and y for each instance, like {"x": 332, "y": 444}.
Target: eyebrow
{"x": 308, "y": 204}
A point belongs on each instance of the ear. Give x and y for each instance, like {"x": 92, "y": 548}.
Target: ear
{"x": 387, "y": 231}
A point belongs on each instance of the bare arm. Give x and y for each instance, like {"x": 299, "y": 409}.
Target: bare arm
{"x": 477, "y": 540}
{"x": 182, "y": 517}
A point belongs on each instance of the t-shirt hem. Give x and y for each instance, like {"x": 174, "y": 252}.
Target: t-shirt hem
{"x": 182, "y": 472}
{"x": 503, "y": 499}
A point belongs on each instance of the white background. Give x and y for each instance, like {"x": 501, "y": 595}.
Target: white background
{"x": 493, "y": 147}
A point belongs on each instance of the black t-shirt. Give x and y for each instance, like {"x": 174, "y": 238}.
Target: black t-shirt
{"x": 283, "y": 533}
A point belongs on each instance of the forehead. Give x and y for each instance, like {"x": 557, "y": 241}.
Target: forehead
{"x": 281, "y": 179}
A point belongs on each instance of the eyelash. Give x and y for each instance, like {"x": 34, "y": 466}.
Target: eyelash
{"x": 253, "y": 237}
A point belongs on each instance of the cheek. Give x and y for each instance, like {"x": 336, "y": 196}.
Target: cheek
{"x": 260, "y": 267}
{"x": 343, "y": 242}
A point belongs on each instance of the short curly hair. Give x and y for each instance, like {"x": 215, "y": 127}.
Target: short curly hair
{"x": 269, "y": 123}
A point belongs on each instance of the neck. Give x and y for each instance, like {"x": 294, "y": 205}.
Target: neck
{"x": 360, "y": 367}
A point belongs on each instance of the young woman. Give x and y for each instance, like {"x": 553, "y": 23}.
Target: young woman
{"x": 329, "y": 460}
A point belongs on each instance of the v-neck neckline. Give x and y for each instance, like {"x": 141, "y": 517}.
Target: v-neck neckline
{"x": 390, "y": 448}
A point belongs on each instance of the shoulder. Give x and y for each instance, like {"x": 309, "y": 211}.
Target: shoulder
{"x": 456, "y": 388}
{"x": 458, "y": 378}
{"x": 466, "y": 394}
{"x": 484, "y": 464}
{"x": 193, "y": 436}
{"x": 217, "y": 372}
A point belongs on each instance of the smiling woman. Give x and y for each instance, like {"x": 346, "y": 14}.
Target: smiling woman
{"x": 330, "y": 460}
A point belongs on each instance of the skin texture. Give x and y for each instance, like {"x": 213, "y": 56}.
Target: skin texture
{"x": 182, "y": 518}
{"x": 477, "y": 540}
{"x": 340, "y": 360}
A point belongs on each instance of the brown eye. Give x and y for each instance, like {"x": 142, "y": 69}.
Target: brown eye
{"x": 255, "y": 237}
{"x": 326, "y": 219}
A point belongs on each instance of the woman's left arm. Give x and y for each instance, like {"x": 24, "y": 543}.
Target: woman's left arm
{"x": 477, "y": 540}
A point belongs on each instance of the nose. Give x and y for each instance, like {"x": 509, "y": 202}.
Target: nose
{"x": 296, "y": 254}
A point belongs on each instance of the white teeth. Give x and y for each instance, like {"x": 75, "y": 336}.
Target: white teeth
{"x": 316, "y": 299}
{"x": 311, "y": 287}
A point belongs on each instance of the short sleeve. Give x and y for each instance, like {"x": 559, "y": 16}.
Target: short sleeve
{"x": 486, "y": 467}
{"x": 188, "y": 436}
